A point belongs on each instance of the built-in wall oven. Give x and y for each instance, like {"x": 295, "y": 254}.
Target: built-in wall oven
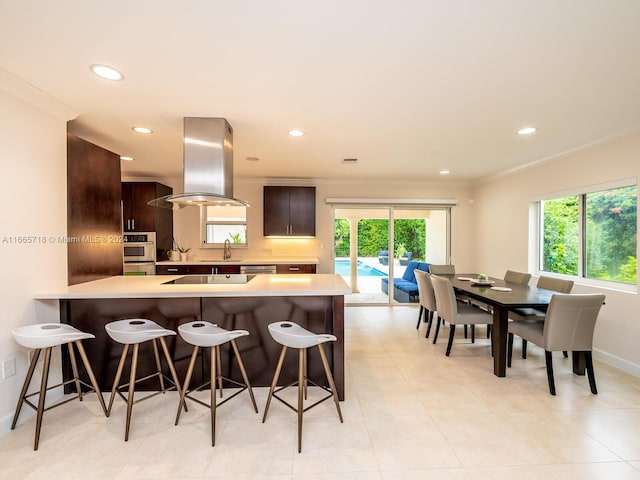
{"x": 139, "y": 253}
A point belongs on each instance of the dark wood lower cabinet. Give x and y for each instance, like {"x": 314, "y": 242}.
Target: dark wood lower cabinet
{"x": 196, "y": 269}
{"x": 320, "y": 314}
{"x": 296, "y": 268}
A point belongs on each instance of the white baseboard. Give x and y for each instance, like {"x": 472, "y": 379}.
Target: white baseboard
{"x": 5, "y": 423}
{"x": 617, "y": 362}
{"x": 27, "y": 412}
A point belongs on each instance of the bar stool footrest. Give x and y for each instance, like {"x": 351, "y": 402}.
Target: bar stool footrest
{"x": 61, "y": 402}
{"x": 126, "y": 386}
{"x": 326, "y": 389}
{"x": 205, "y": 385}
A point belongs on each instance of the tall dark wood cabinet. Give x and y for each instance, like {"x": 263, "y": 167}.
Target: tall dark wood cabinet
{"x": 94, "y": 229}
{"x": 289, "y": 211}
{"x": 138, "y": 216}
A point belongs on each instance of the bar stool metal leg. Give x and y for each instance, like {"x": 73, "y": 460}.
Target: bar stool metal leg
{"x": 301, "y": 392}
{"x": 158, "y": 364}
{"x": 172, "y": 369}
{"x": 116, "y": 381}
{"x": 187, "y": 381}
{"x": 132, "y": 388}
{"x": 214, "y": 373}
{"x": 92, "y": 377}
{"x": 74, "y": 369}
{"x": 332, "y": 384}
{"x": 43, "y": 394}
{"x": 243, "y": 372}
{"x": 274, "y": 382}
{"x": 25, "y": 386}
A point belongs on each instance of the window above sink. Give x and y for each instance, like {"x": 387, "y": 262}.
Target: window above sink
{"x": 220, "y": 223}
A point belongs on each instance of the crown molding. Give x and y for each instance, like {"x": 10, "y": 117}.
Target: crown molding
{"x": 31, "y": 94}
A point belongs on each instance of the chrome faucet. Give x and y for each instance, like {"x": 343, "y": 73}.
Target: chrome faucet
{"x": 227, "y": 249}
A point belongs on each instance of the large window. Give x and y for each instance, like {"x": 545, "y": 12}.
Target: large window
{"x": 220, "y": 223}
{"x": 591, "y": 235}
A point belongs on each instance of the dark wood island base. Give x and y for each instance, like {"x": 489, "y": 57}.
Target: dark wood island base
{"x": 319, "y": 314}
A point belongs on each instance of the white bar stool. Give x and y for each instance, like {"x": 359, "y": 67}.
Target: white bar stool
{"x": 292, "y": 335}
{"x": 205, "y": 334}
{"x": 45, "y": 336}
{"x": 134, "y": 332}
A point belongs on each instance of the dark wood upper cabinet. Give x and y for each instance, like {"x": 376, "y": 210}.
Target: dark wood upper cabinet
{"x": 138, "y": 216}
{"x": 289, "y": 211}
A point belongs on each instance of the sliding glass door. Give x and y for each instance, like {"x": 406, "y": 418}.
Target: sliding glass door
{"x": 367, "y": 259}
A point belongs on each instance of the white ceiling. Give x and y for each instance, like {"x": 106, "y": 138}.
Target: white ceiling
{"x": 408, "y": 87}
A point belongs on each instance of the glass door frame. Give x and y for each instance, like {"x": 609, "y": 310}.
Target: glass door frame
{"x": 392, "y": 208}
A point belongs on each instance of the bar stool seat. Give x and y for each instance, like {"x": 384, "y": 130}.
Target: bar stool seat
{"x": 292, "y": 335}
{"x": 134, "y": 332}
{"x": 45, "y": 336}
{"x": 203, "y": 334}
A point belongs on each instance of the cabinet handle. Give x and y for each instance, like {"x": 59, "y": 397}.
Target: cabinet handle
{"x": 133, "y": 224}
{"x": 214, "y": 270}
{"x": 294, "y": 269}
{"x": 172, "y": 269}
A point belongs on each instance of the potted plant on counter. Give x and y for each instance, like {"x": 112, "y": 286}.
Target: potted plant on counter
{"x": 180, "y": 252}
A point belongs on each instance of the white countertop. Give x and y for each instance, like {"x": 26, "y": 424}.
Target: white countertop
{"x": 244, "y": 261}
{"x": 152, "y": 286}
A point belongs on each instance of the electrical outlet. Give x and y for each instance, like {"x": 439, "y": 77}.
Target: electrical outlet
{"x": 9, "y": 367}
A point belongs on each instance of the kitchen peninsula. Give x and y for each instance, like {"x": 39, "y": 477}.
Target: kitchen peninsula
{"x": 315, "y": 301}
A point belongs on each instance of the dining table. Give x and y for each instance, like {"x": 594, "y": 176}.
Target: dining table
{"x": 503, "y": 296}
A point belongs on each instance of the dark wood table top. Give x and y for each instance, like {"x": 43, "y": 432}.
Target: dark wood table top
{"x": 520, "y": 296}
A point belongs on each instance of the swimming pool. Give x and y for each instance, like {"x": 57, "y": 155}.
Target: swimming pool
{"x": 343, "y": 267}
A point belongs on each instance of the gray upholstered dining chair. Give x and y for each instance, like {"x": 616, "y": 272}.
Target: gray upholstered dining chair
{"x": 449, "y": 270}
{"x": 535, "y": 314}
{"x": 442, "y": 269}
{"x": 512, "y": 276}
{"x": 569, "y": 325}
{"x": 427, "y": 299}
{"x": 454, "y": 312}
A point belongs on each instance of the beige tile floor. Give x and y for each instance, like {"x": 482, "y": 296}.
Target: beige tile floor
{"x": 410, "y": 413}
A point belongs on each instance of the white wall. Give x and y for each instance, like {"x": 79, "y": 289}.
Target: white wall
{"x": 501, "y": 210}
{"x": 34, "y": 198}
{"x": 186, "y": 221}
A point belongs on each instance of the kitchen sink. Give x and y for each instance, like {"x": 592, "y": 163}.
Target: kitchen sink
{"x": 236, "y": 278}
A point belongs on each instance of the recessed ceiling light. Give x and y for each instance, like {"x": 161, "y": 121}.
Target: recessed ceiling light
{"x": 296, "y": 133}
{"x": 128, "y": 159}
{"x": 106, "y": 72}
{"x": 526, "y": 130}
{"x": 144, "y": 130}
{"x": 445, "y": 172}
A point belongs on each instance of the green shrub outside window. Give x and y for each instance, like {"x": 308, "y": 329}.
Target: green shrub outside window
{"x": 592, "y": 235}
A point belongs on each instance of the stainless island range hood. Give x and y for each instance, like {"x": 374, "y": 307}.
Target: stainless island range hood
{"x": 208, "y": 166}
